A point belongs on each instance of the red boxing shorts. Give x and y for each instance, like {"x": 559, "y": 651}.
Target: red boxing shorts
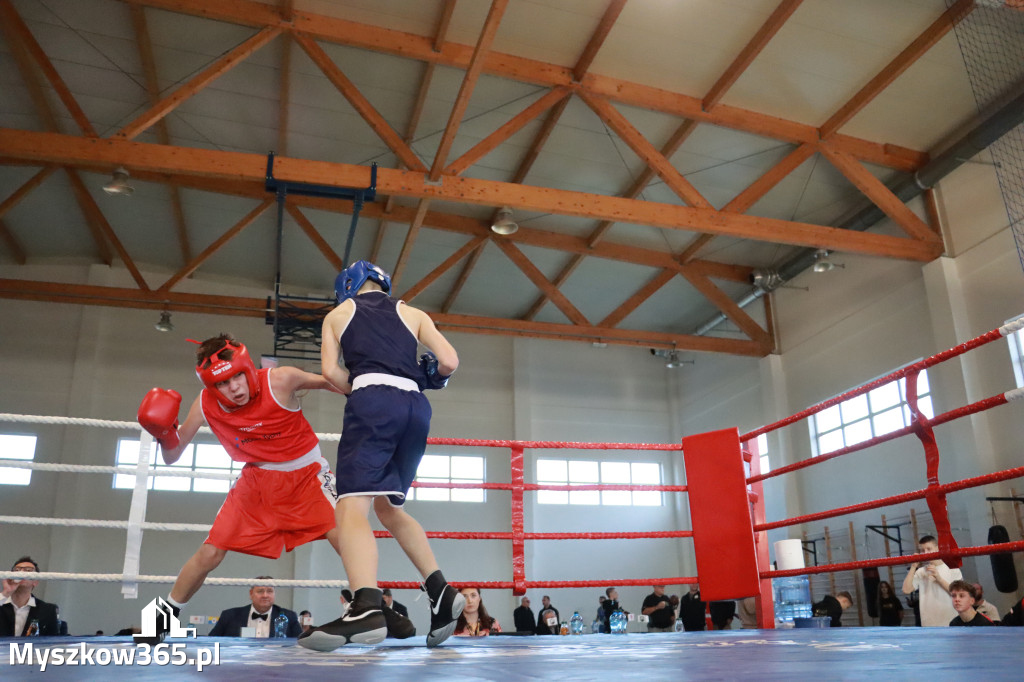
{"x": 269, "y": 509}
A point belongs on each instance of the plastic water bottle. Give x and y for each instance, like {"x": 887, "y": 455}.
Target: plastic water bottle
{"x": 33, "y": 629}
{"x": 792, "y": 599}
{"x": 576, "y": 624}
{"x": 596, "y": 627}
{"x": 679, "y": 625}
{"x": 619, "y": 627}
{"x": 281, "y": 626}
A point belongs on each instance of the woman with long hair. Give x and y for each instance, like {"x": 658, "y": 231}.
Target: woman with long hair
{"x": 475, "y": 621}
{"x": 890, "y": 608}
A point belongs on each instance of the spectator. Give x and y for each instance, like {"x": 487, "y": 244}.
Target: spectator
{"x": 932, "y": 583}
{"x": 691, "y": 610}
{"x": 962, "y": 596}
{"x": 20, "y": 610}
{"x": 99, "y": 633}
{"x": 833, "y": 607}
{"x": 722, "y": 613}
{"x": 611, "y": 605}
{"x": 547, "y": 612}
{"x": 523, "y": 617}
{"x": 890, "y": 608}
{"x": 475, "y": 621}
{"x": 983, "y": 607}
{"x": 747, "y": 610}
{"x": 260, "y": 614}
{"x": 658, "y": 608}
{"x": 306, "y": 620}
{"x": 1015, "y": 616}
{"x": 394, "y": 605}
{"x": 62, "y": 625}
{"x": 599, "y": 617}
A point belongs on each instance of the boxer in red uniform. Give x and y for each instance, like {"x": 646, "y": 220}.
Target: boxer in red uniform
{"x": 286, "y": 494}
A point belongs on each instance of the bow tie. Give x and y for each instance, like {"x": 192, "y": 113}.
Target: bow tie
{"x": 261, "y": 616}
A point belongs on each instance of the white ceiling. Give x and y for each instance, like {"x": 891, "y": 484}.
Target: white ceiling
{"x": 819, "y": 59}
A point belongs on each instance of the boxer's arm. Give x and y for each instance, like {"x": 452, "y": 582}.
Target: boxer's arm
{"x": 186, "y": 432}
{"x": 330, "y": 347}
{"x": 436, "y": 343}
{"x": 286, "y": 381}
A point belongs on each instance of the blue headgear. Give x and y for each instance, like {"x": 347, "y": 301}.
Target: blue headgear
{"x": 352, "y": 278}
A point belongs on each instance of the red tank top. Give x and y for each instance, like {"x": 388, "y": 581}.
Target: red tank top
{"x": 262, "y": 430}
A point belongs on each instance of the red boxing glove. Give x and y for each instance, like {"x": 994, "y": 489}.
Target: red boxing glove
{"x": 158, "y": 414}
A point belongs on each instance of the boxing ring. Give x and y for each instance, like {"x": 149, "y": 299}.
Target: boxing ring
{"x": 729, "y": 536}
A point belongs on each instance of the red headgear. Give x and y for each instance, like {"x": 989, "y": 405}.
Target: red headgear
{"x": 215, "y": 369}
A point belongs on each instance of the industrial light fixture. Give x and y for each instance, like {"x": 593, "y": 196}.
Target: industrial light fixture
{"x": 164, "y": 325}
{"x": 503, "y": 223}
{"x": 119, "y": 184}
{"x": 822, "y": 262}
{"x": 673, "y": 360}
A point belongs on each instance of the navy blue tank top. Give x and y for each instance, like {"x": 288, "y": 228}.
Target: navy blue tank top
{"x": 377, "y": 340}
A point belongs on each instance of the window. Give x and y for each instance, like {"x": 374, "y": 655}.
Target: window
{"x": 202, "y": 457}
{"x": 449, "y": 469}
{"x": 16, "y": 447}
{"x": 762, "y": 447}
{"x": 1016, "y": 340}
{"x": 579, "y": 472}
{"x": 875, "y": 413}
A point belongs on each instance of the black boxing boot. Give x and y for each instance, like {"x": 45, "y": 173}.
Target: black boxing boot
{"x": 446, "y": 606}
{"x": 364, "y": 623}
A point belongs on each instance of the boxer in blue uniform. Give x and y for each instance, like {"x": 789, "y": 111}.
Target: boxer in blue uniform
{"x": 383, "y": 438}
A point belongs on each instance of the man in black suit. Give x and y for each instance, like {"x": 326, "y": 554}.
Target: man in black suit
{"x": 523, "y": 616}
{"x": 260, "y": 614}
{"x": 22, "y": 613}
{"x": 393, "y": 605}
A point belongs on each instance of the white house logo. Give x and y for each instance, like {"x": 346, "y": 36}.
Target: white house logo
{"x": 158, "y": 608}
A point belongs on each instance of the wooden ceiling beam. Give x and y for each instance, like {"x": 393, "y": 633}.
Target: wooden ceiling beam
{"x": 764, "y": 184}
{"x": 26, "y": 188}
{"x": 98, "y": 223}
{"x": 410, "y": 238}
{"x": 362, "y": 105}
{"x": 80, "y": 294}
{"x": 747, "y": 55}
{"x": 469, "y": 247}
{"x": 412, "y": 46}
{"x": 314, "y": 236}
{"x": 510, "y": 128}
{"x": 561, "y": 279}
{"x": 469, "y": 81}
{"x": 646, "y": 151}
{"x": 27, "y": 67}
{"x": 633, "y": 302}
{"x": 903, "y": 61}
{"x": 729, "y": 308}
{"x": 534, "y": 274}
{"x": 880, "y": 195}
{"x": 232, "y": 58}
{"x": 456, "y": 289}
{"x": 16, "y": 29}
{"x": 145, "y": 45}
{"x": 191, "y": 266}
{"x": 12, "y": 243}
{"x": 604, "y": 27}
{"x": 65, "y": 149}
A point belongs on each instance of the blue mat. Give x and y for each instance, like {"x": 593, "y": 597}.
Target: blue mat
{"x": 838, "y": 653}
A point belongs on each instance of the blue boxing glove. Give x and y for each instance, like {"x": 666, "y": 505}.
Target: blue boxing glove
{"x": 431, "y": 378}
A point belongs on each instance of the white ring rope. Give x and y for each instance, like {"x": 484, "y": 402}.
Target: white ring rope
{"x": 100, "y": 523}
{"x": 105, "y": 423}
{"x": 1015, "y": 394}
{"x": 1012, "y": 326}
{"x": 118, "y": 577}
{"x": 128, "y": 471}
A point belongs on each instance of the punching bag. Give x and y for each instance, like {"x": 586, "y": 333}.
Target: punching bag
{"x": 1003, "y": 571}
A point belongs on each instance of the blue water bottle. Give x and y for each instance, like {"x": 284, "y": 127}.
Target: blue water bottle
{"x": 576, "y": 624}
{"x": 281, "y": 626}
